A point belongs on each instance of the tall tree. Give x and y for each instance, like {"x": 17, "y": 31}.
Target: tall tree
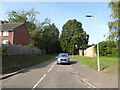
{"x": 73, "y": 36}
{"x": 50, "y": 35}
{"x": 44, "y": 35}
{"x": 28, "y": 17}
{"x": 46, "y": 39}
{"x": 114, "y": 25}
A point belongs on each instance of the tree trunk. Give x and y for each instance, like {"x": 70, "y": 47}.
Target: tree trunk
{"x": 82, "y": 52}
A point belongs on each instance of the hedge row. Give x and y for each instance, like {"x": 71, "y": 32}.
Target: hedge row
{"x": 108, "y": 48}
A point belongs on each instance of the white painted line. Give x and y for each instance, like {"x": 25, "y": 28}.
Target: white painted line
{"x": 89, "y": 83}
{"x": 38, "y": 82}
{"x": 51, "y": 68}
{"x": 86, "y": 81}
{"x": 42, "y": 78}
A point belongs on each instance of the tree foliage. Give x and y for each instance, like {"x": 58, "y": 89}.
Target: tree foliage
{"x": 73, "y": 36}
{"x": 44, "y": 35}
{"x": 51, "y": 34}
{"x": 108, "y": 48}
{"x": 46, "y": 38}
{"x": 28, "y": 17}
{"x": 114, "y": 25}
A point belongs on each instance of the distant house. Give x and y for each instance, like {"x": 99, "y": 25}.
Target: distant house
{"x": 88, "y": 51}
{"x": 14, "y": 33}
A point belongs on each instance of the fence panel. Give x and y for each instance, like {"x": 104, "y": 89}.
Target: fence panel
{"x": 16, "y": 50}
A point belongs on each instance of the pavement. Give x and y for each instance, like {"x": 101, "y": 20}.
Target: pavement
{"x": 98, "y": 79}
{"x": 50, "y": 75}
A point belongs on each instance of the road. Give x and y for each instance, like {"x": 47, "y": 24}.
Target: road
{"x": 46, "y": 75}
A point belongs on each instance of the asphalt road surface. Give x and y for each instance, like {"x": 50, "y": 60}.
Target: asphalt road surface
{"x": 46, "y": 75}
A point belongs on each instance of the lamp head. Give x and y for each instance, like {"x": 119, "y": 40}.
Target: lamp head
{"x": 89, "y": 15}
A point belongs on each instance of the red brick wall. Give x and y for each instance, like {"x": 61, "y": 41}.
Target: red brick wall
{"x": 8, "y": 37}
{"x": 21, "y": 35}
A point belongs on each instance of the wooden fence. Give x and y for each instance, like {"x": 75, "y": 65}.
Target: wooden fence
{"x": 16, "y": 50}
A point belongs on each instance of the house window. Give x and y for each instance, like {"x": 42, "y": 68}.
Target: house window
{"x": 5, "y": 33}
{"x": 0, "y": 33}
{"x": 5, "y": 41}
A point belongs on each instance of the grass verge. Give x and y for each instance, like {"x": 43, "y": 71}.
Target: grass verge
{"x": 13, "y": 63}
{"x": 107, "y": 64}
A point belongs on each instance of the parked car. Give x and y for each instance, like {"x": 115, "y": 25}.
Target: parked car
{"x": 63, "y": 58}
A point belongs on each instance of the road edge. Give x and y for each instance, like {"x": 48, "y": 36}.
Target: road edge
{"x": 19, "y": 71}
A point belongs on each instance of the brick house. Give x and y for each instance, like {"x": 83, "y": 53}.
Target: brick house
{"x": 14, "y": 33}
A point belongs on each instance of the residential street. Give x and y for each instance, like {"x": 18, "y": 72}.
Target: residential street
{"x": 46, "y": 75}
{"x": 38, "y": 37}
{"x": 50, "y": 75}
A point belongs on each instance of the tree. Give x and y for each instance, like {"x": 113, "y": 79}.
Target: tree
{"x": 44, "y": 35}
{"x": 28, "y": 17}
{"x": 46, "y": 39}
{"x": 50, "y": 35}
{"x": 73, "y": 36}
{"x": 114, "y": 25}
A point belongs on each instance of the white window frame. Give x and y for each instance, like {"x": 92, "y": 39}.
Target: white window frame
{"x": 5, "y": 41}
{"x": 0, "y": 33}
{"x": 5, "y": 33}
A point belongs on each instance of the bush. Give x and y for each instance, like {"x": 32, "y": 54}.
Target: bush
{"x": 2, "y": 48}
{"x": 107, "y": 48}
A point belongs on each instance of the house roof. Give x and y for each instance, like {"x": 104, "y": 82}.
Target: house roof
{"x": 9, "y": 26}
{"x": 86, "y": 47}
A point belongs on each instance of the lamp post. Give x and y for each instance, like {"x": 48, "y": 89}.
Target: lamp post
{"x": 98, "y": 60}
{"x": 73, "y": 47}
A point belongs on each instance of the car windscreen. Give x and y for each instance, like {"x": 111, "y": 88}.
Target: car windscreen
{"x": 63, "y": 55}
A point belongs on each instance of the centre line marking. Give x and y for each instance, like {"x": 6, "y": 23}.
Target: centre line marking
{"x": 42, "y": 78}
{"x": 39, "y": 82}
{"x": 50, "y": 68}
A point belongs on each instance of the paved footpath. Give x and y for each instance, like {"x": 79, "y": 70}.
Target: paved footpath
{"x": 98, "y": 79}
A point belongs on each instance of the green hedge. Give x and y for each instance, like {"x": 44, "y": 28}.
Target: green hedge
{"x": 108, "y": 48}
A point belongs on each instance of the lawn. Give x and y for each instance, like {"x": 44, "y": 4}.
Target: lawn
{"x": 16, "y": 62}
{"x": 107, "y": 64}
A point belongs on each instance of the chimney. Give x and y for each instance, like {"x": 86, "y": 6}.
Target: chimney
{"x": 1, "y": 22}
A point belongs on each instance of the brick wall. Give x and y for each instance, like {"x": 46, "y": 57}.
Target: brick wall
{"x": 21, "y": 35}
{"x": 10, "y": 37}
{"x": 89, "y": 52}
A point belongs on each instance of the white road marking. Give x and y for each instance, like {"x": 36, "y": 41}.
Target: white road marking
{"x": 42, "y": 78}
{"x": 84, "y": 80}
{"x": 88, "y": 83}
{"x": 39, "y": 82}
{"x": 51, "y": 68}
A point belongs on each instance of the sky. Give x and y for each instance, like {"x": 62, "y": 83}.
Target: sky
{"x": 60, "y": 12}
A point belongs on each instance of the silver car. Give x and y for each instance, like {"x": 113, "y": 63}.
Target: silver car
{"x": 63, "y": 58}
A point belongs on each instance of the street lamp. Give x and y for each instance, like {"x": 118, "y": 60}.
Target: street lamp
{"x": 98, "y": 60}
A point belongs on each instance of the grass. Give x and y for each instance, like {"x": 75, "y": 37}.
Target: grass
{"x": 13, "y": 63}
{"x": 107, "y": 64}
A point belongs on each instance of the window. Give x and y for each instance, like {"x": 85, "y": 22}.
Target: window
{"x": 0, "y": 33}
{"x": 5, "y": 41}
{"x": 5, "y": 33}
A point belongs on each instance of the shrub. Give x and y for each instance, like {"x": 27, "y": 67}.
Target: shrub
{"x": 2, "y": 48}
{"x": 107, "y": 48}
